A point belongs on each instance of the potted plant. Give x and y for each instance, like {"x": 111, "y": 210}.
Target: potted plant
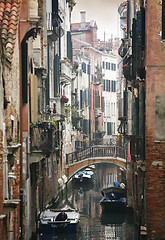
{"x": 64, "y": 99}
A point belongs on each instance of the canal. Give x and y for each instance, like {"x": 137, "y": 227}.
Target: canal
{"x": 93, "y": 224}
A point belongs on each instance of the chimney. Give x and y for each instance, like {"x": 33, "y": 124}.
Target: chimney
{"x": 83, "y": 19}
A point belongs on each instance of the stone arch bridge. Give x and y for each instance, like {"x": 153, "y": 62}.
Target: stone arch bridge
{"x": 77, "y": 161}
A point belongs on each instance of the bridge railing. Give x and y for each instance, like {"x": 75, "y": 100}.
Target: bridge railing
{"x": 96, "y": 151}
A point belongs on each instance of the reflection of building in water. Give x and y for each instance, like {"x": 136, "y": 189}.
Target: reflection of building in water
{"x": 114, "y": 232}
{"x": 109, "y": 178}
{"x": 113, "y": 174}
{"x": 105, "y": 175}
{"x": 110, "y": 175}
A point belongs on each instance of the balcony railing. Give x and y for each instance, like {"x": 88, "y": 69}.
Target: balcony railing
{"x": 54, "y": 28}
{"x": 96, "y": 151}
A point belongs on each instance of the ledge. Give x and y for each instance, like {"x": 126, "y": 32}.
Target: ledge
{"x": 10, "y": 204}
{"x": 13, "y": 148}
{"x": 2, "y": 216}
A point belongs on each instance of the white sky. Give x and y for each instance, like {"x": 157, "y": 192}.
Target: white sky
{"x": 104, "y": 12}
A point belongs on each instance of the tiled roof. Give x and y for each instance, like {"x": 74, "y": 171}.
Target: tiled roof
{"x": 83, "y": 26}
{"x": 9, "y": 16}
{"x": 78, "y": 43}
{"x": 77, "y": 26}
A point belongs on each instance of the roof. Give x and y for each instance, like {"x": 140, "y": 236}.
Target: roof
{"x": 83, "y": 26}
{"x": 9, "y": 16}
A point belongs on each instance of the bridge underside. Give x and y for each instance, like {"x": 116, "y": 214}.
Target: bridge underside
{"x": 73, "y": 168}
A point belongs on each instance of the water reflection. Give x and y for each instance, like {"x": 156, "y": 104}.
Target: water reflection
{"x": 94, "y": 224}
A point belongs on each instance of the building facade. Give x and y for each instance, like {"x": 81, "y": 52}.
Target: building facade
{"x": 35, "y": 86}
{"x": 100, "y": 71}
{"x": 143, "y": 72}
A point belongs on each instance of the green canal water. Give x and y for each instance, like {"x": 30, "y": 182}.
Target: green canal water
{"x": 93, "y": 224}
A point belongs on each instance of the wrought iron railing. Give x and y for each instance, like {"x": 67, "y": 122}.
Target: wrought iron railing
{"x": 96, "y": 151}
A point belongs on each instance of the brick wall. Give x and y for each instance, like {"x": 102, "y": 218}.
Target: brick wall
{"x": 155, "y": 148}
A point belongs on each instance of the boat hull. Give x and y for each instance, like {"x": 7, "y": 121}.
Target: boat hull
{"x": 55, "y": 221}
{"x": 108, "y": 205}
{"x": 55, "y": 229}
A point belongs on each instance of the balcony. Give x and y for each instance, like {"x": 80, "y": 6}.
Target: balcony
{"x": 66, "y": 71}
{"x": 11, "y": 150}
{"x": 9, "y": 205}
{"x": 59, "y": 113}
{"x": 54, "y": 30}
{"x": 98, "y": 112}
{"x": 41, "y": 140}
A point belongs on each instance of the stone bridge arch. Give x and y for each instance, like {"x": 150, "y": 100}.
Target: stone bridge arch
{"x": 94, "y": 155}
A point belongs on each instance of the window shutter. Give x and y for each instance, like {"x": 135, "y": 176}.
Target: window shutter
{"x": 114, "y": 86}
{"x": 56, "y": 74}
{"x": 106, "y": 85}
{"x": 134, "y": 49}
{"x": 55, "y": 6}
{"x": 89, "y": 69}
{"x": 102, "y": 104}
{"x": 140, "y": 37}
{"x": 81, "y": 99}
{"x": 69, "y": 46}
{"x": 85, "y": 126}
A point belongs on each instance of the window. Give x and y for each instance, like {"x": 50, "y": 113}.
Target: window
{"x": 109, "y": 128}
{"x": 106, "y": 65}
{"x": 69, "y": 46}
{"x": 89, "y": 69}
{"x": 109, "y": 87}
{"x": 112, "y": 86}
{"x": 81, "y": 93}
{"x": 84, "y": 67}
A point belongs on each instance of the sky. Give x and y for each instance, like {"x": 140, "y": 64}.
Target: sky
{"x": 104, "y": 12}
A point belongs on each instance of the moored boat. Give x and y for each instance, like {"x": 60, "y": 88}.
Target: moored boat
{"x": 84, "y": 176}
{"x": 62, "y": 220}
{"x": 114, "y": 199}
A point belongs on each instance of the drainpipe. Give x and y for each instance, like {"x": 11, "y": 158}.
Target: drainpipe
{"x": 21, "y": 214}
{"x": 5, "y": 162}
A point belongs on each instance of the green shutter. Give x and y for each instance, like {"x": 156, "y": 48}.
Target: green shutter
{"x": 56, "y": 74}
{"x": 69, "y": 46}
{"x": 134, "y": 49}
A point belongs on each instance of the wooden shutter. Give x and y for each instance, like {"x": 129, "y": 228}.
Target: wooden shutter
{"x": 33, "y": 97}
